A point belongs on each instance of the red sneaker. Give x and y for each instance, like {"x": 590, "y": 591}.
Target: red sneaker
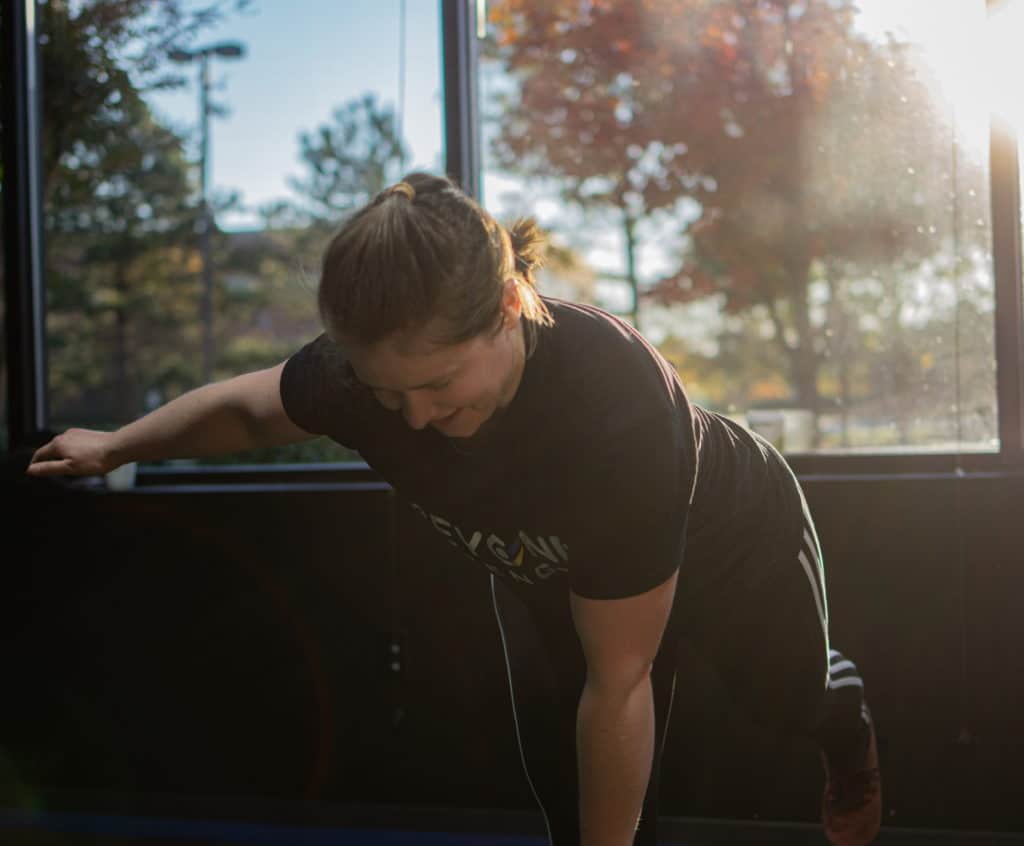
{"x": 851, "y": 807}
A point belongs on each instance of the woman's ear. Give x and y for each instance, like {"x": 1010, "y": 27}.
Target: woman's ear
{"x": 511, "y": 302}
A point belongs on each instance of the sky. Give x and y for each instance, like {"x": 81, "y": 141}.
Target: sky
{"x": 303, "y": 60}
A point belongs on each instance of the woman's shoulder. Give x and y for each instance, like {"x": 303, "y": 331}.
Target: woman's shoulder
{"x": 587, "y": 334}
{"x": 584, "y": 333}
{"x": 580, "y": 316}
{"x": 602, "y": 360}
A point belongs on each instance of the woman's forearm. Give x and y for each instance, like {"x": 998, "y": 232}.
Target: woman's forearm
{"x": 615, "y": 748}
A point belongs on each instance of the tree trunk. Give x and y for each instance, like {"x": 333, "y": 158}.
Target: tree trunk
{"x": 123, "y": 403}
{"x": 839, "y": 322}
{"x": 805, "y": 362}
{"x": 629, "y": 228}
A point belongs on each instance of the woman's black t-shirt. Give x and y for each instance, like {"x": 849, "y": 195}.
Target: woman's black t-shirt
{"x": 600, "y": 475}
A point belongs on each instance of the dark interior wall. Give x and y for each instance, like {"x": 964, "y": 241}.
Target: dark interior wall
{"x": 924, "y": 579}
{"x": 241, "y": 644}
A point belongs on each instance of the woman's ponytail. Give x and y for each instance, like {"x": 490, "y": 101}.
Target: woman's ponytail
{"x": 528, "y": 245}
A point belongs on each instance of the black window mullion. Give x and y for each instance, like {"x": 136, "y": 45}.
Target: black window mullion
{"x": 22, "y": 230}
{"x": 459, "y": 60}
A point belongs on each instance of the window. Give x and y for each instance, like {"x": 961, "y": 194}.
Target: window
{"x": 4, "y": 412}
{"x": 791, "y": 199}
{"x": 182, "y": 250}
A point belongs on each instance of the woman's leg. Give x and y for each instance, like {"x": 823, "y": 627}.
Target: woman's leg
{"x": 546, "y": 672}
{"x": 542, "y": 714}
{"x": 769, "y": 641}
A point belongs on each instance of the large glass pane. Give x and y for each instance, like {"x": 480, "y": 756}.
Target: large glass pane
{"x": 789, "y": 197}
{"x": 181, "y": 250}
{"x": 4, "y": 414}
{"x": 1007, "y": 25}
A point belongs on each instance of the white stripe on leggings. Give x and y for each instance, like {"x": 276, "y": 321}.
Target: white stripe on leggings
{"x": 515, "y": 715}
{"x": 839, "y": 666}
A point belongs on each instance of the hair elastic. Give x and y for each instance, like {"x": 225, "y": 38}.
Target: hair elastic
{"x": 403, "y": 188}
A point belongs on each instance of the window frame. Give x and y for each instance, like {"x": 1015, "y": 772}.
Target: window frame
{"x": 24, "y": 275}
{"x": 24, "y": 294}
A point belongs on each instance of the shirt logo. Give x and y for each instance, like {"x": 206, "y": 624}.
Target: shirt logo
{"x": 524, "y": 558}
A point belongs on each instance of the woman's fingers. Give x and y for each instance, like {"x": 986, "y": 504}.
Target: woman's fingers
{"x": 46, "y": 452}
{"x": 61, "y": 467}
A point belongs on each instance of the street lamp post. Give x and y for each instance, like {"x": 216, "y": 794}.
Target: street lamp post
{"x": 227, "y": 50}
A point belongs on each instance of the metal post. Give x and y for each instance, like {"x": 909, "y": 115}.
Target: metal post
{"x": 206, "y": 219}
{"x": 462, "y": 129}
{"x": 226, "y": 50}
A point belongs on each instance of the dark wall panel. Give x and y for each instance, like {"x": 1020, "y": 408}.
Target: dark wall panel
{"x": 209, "y": 644}
{"x": 328, "y": 645}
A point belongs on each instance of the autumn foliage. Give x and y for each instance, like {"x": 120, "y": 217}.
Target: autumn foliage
{"x": 772, "y": 132}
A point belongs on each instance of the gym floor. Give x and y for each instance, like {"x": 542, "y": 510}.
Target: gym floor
{"x": 409, "y": 827}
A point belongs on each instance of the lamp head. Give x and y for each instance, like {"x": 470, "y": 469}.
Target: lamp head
{"x": 228, "y": 49}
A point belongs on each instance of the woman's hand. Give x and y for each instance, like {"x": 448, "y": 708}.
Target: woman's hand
{"x": 76, "y": 452}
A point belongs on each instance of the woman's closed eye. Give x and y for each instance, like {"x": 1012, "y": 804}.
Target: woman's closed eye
{"x": 392, "y": 400}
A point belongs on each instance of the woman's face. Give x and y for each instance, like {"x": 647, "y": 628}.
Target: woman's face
{"x": 454, "y": 388}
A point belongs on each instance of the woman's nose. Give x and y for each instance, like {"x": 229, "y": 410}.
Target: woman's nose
{"x": 417, "y": 408}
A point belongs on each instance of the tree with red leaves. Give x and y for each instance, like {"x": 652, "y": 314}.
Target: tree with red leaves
{"x": 776, "y": 136}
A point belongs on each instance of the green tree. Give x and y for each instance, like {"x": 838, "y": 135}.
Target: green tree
{"x": 346, "y": 161}
{"x": 97, "y": 276}
{"x": 99, "y": 55}
{"x": 349, "y": 160}
{"x": 116, "y": 194}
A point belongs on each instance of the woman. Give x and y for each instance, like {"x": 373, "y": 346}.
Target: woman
{"x": 550, "y": 443}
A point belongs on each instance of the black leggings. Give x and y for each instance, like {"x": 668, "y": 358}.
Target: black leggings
{"x": 769, "y": 645}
